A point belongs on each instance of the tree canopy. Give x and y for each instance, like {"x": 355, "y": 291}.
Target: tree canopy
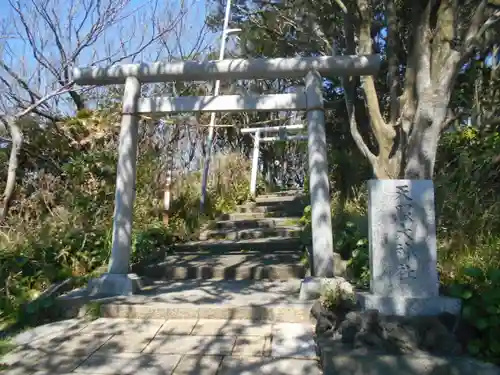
{"x": 428, "y": 48}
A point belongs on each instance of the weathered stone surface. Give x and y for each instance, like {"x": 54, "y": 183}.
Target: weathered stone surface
{"x": 325, "y": 319}
{"x": 129, "y": 364}
{"x": 111, "y": 284}
{"x": 211, "y": 345}
{"x": 250, "y": 346}
{"x": 369, "y": 332}
{"x": 350, "y": 327}
{"x": 47, "y": 331}
{"x": 221, "y": 327}
{"x": 292, "y": 340}
{"x": 268, "y": 366}
{"x": 370, "y": 364}
{"x": 123, "y": 346}
{"x": 198, "y": 364}
{"x": 273, "y": 301}
{"x": 402, "y": 239}
{"x": 409, "y": 306}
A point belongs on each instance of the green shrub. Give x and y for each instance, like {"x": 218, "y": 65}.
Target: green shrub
{"x": 358, "y": 266}
{"x": 335, "y": 297}
{"x": 60, "y": 223}
{"x": 151, "y": 244}
{"x": 479, "y": 291}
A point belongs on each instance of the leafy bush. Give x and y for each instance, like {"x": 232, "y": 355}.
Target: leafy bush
{"x": 348, "y": 238}
{"x": 467, "y": 183}
{"x": 335, "y": 297}
{"x": 468, "y": 200}
{"x": 349, "y": 227}
{"x": 151, "y": 244}
{"x": 227, "y": 186}
{"x": 358, "y": 265}
{"x": 479, "y": 291}
{"x": 60, "y": 223}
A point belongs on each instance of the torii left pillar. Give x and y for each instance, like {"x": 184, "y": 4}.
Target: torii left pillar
{"x": 118, "y": 280}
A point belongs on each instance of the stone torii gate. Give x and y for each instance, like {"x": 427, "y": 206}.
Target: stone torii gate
{"x": 257, "y": 139}
{"x": 118, "y": 281}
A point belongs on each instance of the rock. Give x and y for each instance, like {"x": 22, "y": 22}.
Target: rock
{"x": 323, "y": 327}
{"x": 372, "y": 321}
{"x": 355, "y": 317}
{"x": 367, "y": 332}
{"x": 436, "y": 338}
{"x": 318, "y": 311}
{"x": 350, "y": 327}
{"x": 449, "y": 320}
{"x": 325, "y": 319}
{"x": 371, "y": 333}
{"x": 370, "y": 339}
{"x": 401, "y": 338}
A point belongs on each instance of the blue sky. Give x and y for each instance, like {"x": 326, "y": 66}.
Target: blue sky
{"x": 20, "y": 55}
{"x": 193, "y": 21}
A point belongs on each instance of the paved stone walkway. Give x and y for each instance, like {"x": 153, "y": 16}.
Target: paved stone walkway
{"x": 158, "y": 347}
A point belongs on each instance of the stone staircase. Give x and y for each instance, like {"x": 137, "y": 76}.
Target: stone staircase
{"x": 246, "y": 265}
{"x": 261, "y": 240}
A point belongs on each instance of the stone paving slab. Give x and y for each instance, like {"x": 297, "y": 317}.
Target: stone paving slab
{"x": 177, "y": 327}
{"x": 199, "y": 365}
{"x": 28, "y": 361}
{"x": 173, "y": 347}
{"x": 293, "y": 340}
{"x": 77, "y": 345}
{"x": 256, "y": 223}
{"x": 124, "y": 326}
{"x": 268, "y": 366}
{"x": 211, "y": 345}
{"x": 69, "y": 326}
{"x": 221, "y": 327}
{"x": 130, "y": 364}
{"x": 251, "y": 346}
{"x": 285, "y": 231}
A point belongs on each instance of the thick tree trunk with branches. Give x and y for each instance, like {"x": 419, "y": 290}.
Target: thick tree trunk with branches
{"x": 408, "y": 138}
{"x": 425, "y": 45}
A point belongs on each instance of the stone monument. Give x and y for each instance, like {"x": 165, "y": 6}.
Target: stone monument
{"x": 403, "y": 250}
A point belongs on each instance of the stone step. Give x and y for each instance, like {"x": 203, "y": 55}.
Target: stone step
{"x": 267, "y": 223}
{"x": 278, "y": 209}
{"x": 260, "y": 215}
{"x": 287, "y": 199}
{"x": 243, "y": 266}
{"x": 244, "y": 234}
{"x": 263, "y": 245}
{"x": 283, "y": 193}
{"x": 270, "y": 301}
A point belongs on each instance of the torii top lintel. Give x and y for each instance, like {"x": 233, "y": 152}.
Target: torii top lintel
{"x": 293, "y": 67}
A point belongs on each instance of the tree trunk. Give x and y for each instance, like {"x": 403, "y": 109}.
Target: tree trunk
{"x": 420, "y": 155}
{"x": 388, "y": 165}
{"x": 17, "y": 140}
{"x": 414, "y": 159}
